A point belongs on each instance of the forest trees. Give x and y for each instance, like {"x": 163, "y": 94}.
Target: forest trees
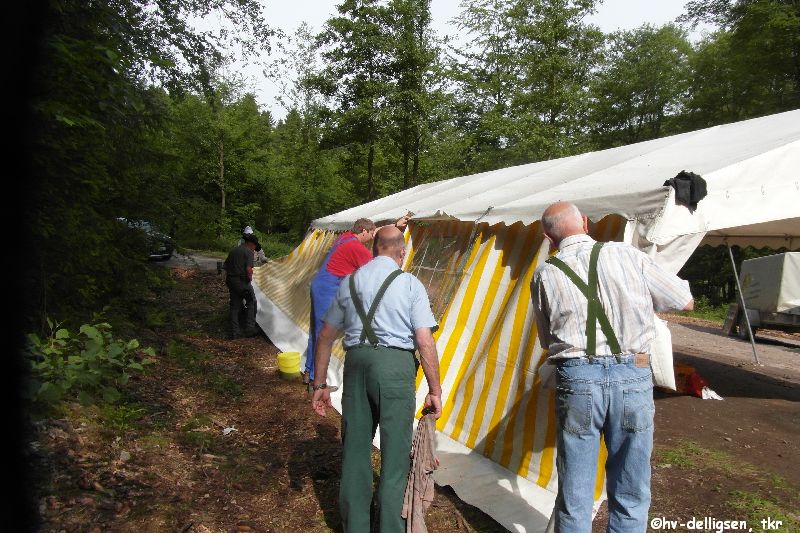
{"x": 96, "y": 112}
{"x": 522, "y": 80}
{"x": 750, "y": 66}
{"x": 639, "y": 89}
{"x": 133, "y": 118}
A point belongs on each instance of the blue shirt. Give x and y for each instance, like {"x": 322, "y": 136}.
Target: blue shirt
{"x": 403, "y": 309}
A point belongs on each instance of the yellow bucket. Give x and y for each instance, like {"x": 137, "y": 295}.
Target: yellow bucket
{"x": 289, "y": 364}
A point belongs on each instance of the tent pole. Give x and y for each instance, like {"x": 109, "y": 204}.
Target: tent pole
{"x": 741, "y": 303}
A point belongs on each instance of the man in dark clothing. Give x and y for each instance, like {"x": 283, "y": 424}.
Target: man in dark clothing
{"x": 239, "y": 274}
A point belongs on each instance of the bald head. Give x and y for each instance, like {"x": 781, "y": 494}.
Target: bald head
{"x": 389, "y": 241}
{"x": 561, "y": 220}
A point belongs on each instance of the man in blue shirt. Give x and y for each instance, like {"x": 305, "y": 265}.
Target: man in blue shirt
{"x": 385, "y": 315}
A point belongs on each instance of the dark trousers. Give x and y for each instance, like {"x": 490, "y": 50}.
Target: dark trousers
{"x": 240, "y": 291}
{"x": 378, "y": 390}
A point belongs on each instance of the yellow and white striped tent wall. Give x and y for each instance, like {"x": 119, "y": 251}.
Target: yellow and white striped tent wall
{"x": 488, "y": 347}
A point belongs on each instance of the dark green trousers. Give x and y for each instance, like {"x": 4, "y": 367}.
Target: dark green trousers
{"x": 378, "y": 390}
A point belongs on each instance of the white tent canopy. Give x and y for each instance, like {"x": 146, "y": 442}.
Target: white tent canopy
{"x": 751, "y": 169}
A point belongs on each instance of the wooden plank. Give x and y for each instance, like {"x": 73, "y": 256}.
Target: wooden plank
{"x": 728, "y": 327}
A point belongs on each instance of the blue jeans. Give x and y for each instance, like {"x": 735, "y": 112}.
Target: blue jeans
{"x": 615, "y": 399}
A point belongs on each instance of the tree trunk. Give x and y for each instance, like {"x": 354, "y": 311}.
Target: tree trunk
{"x": 415, "y": 170}
{"x": 370, "y": 179}
{"x": 221, "y": 185}
{"x": 405, "y": 164}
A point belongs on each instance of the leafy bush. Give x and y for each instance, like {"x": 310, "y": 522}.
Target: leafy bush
{"x": 703, "y": 308}
{"x": 89, "y": 365}
{"x": 277, "y": 245}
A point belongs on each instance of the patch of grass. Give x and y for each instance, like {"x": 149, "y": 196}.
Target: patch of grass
{"x": 210, "y": 253}
{"x": 125, "y": 416}
{"x": 155, "y": 441}
{"x": 778, "y": 482}
{"x": 759, "y": 507}
{"x": 689, "y": 454}
{"x": 755, "y": 505}
{"x": 704, "y": 310}
{"x": 157, "y": 318}
{"x": 186, "y": 357}
{"x": 198, "y": 432}
{"x": 225, "y": 386}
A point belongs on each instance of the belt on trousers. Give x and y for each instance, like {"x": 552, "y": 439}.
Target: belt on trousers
{"x": 367, "y": 345}
{"x": 640, "y": 359}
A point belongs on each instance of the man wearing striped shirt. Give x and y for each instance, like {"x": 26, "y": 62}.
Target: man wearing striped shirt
{"x": 595, "y": 305}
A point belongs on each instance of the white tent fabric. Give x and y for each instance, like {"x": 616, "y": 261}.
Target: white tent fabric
{"x": 498, "y": 418}
{"x": 750, "y": 168}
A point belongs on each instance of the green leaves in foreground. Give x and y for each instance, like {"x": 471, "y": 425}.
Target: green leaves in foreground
{"x": 89, "y": 365}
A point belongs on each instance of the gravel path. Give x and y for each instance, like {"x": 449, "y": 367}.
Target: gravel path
{"x": 778, "y": 354}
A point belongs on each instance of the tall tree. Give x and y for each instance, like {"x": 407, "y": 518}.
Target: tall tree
{"x": 306, "y": 180}
{"x": 640, "y": 86}
{"x": 357, "y": 53}
{"x": 557, "y": 52}
{"x": 524, "y": 78}
{"x": 756, "y": 54}
{"x": 414, "y": 56}
{"x": 485, "y": 73}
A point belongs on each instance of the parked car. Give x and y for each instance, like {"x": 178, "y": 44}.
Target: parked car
{"x": 160, "y": 245}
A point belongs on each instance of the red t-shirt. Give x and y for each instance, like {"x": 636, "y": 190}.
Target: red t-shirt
{"x": 349, "y": 256}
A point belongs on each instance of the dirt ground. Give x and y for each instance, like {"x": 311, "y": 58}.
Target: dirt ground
{"x": 213, "y": 440}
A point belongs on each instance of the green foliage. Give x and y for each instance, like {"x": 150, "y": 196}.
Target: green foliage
{"x": 91, "y": 365}
{"x": 749, "y": 67}
{"x": 640, "y": 87}
{"x": 123, "y": 416}
{"x": 703, "y": 309}
{"x": 132, "y": 119}
{"x": 711, "y": 278}
{"x": 100, "y": 149}
{"x": 277, "y": 245}
{"x": 198, "y": 432}
{"x": 186, "y": 357}
{"x": 759, "y": 506}
{"x": 522, "y": 81}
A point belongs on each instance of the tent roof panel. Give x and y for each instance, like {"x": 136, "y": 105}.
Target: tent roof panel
{"x": 627, "y": 180}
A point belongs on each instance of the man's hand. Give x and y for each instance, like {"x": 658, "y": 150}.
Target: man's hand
{"x": 433, "y": 404}
{"x": 321, "y": 401}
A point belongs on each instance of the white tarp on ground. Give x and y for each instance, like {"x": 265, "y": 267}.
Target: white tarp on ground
{"x": 497, "y": 411}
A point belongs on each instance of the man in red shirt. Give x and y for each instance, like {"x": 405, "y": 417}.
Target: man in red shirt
{"x": 347, "y": 254}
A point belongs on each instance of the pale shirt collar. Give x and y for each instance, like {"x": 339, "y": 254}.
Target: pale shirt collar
{"x": 573, "y": 240}
{"x": 386, "y": 259}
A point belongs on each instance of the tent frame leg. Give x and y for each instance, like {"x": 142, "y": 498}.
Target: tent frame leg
{"x": 742, "y": 306}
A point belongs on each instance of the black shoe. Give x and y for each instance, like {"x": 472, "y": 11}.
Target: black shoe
{"x": 251, "y": 333}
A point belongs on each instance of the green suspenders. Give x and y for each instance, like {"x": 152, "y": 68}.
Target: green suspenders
{"x": 595, "y": 311}
{"x": 367, "y": 317}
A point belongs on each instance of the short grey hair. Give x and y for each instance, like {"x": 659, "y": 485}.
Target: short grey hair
{"x": 558, "y": 224}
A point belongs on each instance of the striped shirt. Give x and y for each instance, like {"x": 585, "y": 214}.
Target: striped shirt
{"x": 631, "y": 288}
